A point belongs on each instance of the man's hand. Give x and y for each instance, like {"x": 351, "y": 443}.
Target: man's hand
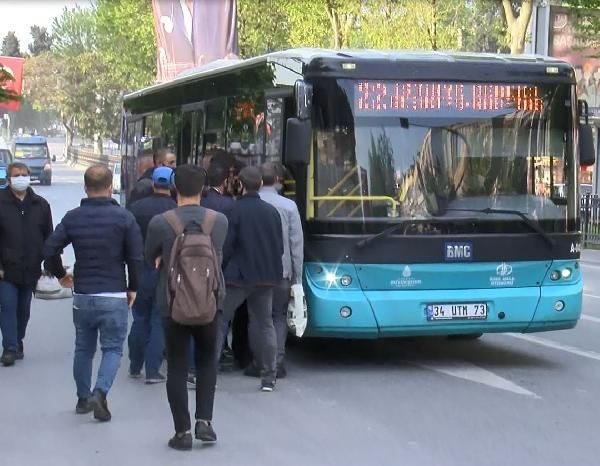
{"x": 1, "y": 274}
{"x": 66, "y": 281}
{"x": 131, "y": 298}
{"x": 157, "y": 262}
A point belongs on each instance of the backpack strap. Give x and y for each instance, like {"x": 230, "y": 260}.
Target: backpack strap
{"x": 208, "y": 222}
{"x": 174, "y": 222}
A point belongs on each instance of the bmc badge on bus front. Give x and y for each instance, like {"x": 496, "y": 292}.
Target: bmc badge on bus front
{"x": 458, "y": 251}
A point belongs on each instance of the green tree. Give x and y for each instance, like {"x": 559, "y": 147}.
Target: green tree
{"x": 42, "y": 40}
{"x": 263, "y": 27}
{"x": 126, "y": 41}
{"x": 11, "y": 46}
{"x": 343, "y": 16}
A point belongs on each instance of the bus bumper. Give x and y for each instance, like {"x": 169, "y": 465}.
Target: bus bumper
{"x": 390, "y": 313}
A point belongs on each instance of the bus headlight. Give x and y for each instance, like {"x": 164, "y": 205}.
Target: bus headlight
{"x": 566, "y": 273}
{"x": 330, "y": 278}
{"x": 559, "y": 305}
{"x": 346, "y": 280}
{"x": 554, "y": 275}
{"x": 345, "y": 312}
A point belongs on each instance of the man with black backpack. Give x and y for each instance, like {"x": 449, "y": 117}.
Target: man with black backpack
{"x": 188, "y": 242}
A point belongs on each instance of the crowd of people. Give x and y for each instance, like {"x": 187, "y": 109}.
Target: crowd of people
{"x": 196, "y": 254}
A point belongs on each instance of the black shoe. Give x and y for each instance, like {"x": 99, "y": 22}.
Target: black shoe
{"x": 252, "y": 371}
{"x": 83, "y": 406}
{"x": 267, "y": 385}
{"x": 181, "y": 442}
{"x": 20, "y": 353}
{"x": 100, "y": 406}
{"x": 204, "y": 431}
{"x": 8, "y": 357}
{"x": 281, "y": 372}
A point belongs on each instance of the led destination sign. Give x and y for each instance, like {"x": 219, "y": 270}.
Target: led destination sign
{"x": 402, "y": 98}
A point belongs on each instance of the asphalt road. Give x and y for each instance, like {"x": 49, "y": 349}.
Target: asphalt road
{"x": 502, "y": 400}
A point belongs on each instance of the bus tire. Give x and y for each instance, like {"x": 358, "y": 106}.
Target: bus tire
{"x": 465, "y": 337}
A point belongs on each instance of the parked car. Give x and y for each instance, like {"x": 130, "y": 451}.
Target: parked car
{"x": 5, "y": 161}
{"x": 33, "y": 152}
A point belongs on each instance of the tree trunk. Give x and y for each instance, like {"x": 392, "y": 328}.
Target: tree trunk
{"x": 68, "y": 125}
{"x": 98, "y": 145}
{"x": 517, "y": 25}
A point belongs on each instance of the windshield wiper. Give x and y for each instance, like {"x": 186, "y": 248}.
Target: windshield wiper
{"x": 382, "y": 234}
{"x": 524, "y": 218}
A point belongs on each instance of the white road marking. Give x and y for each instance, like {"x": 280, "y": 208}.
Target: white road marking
{"x": 473, "y": 373}
{"x": 591, "y": 295}
{"x": 590, "y": 318}
{"x": 557, "y": 346}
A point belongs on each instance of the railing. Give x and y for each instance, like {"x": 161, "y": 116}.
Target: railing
{"x": 590, "y": 220}
{"x": 87, "y": 157}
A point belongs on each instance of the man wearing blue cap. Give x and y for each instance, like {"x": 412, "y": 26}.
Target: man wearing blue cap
{"x": 146, "y": 338}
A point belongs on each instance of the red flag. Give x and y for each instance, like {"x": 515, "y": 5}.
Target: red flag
{"x": 14, "y": 66}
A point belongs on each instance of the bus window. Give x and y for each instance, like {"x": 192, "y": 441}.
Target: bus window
{"x": 274, "y": 129}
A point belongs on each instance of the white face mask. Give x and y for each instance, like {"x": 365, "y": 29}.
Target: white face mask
{"x": 278, "y": 187}
{"x": 20, "y": 183}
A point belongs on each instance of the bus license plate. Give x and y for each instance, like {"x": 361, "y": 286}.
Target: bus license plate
{"x": 457, "y": 311}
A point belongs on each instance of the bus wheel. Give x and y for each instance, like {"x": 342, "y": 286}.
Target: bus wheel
{"x": 465, "y": 337}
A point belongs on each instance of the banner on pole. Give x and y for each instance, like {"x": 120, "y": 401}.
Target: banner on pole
{"x": 14, "y": 67}
{"x": 193, "y": 32}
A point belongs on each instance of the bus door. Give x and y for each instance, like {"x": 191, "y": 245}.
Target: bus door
{"x": 192, "y": 134}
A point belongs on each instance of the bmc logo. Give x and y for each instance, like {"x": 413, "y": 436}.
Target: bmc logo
{"x": 458, "y": 251}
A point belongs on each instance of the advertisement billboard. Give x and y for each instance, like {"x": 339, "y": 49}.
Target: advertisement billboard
{"x": 14, "y": 67}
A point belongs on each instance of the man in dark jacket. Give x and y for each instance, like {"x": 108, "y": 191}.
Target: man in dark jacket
{"x": 105, "y": 238}
{"x": 253, "y": 267}
{"x": 25, "y": 223}
{"x": 143, "y": 188}
{"x": 215, "y": 197}
{"x": 146, "y": 338}
{"x": 189, "y": 181}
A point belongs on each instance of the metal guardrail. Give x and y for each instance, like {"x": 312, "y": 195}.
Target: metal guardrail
{"x": 87, "y": 157}
{"x": 590, "y": 220}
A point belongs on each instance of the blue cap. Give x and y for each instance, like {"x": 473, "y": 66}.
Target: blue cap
{"x": 162, "y": 177}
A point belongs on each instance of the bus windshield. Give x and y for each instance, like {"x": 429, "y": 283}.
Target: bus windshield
{"x": 30, "y": 151}
{"x": 434, "y": 150}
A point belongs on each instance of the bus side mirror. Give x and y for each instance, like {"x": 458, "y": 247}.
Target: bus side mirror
{"x": 587, "y": 153}
{"x": 303, "y": 94}
{"x": 297, "y": 142}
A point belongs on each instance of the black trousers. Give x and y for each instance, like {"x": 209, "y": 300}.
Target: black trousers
{"x": 176, "y": 342}
{"x": 240, "y": 343}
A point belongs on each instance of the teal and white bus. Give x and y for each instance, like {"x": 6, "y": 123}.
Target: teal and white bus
{"x": 426, "y": 181}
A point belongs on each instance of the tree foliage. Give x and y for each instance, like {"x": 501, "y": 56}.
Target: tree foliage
{"x": 11, "y": 46}
{"x": 97, "y": 55}
{"x": 42, "y": 40}
{"x": 475, "y": 25}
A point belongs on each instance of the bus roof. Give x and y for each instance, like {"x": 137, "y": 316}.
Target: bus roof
{"x": 326, "y": 61}
{"x": 30, "y": 140}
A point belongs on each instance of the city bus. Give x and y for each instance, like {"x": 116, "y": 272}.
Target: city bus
{"x": 426, "y": 182}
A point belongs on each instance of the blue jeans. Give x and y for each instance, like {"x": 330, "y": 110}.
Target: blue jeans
{"x": 15, "y": 305}
{"x": 93, "y": 315}
{"x": 147, "y": 338}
